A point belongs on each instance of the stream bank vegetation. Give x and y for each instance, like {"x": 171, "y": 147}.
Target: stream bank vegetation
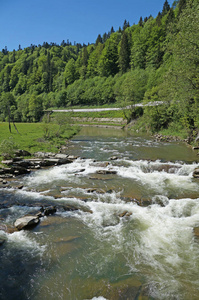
{"x": 154, "y": 60}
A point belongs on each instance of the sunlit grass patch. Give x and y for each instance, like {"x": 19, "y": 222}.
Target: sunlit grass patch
{"x": 31, "y": 136}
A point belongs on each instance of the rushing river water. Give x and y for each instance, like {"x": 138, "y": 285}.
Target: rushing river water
{"x": 138, "y": 242}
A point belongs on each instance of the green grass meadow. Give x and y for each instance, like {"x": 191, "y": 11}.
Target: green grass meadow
{"x": 31, "y": 136}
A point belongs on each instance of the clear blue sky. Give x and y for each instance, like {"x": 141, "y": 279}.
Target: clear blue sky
{"x": 28, "y": 22}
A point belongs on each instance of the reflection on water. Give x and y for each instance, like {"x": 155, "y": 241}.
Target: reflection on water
{"x": 138, "y": 242}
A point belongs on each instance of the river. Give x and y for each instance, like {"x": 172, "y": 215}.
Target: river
{"x": 138, "y": 242}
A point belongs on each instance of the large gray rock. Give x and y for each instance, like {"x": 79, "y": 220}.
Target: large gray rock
{"x": 19, "y": 170}
{"x": 61, "y": 156}
{"x": 47, "y": 162}
{"x": 26, "y": 222}
{"x": 8, "y": 162}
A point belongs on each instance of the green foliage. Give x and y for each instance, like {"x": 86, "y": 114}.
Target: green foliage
{"x": 155, "y": 60}
{"x": 124, "y": 53}
{"x": 8, "y": 147}
{"x": 108, "y": 62}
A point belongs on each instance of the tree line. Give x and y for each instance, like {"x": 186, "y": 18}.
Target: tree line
{"x": 156, "y": 59}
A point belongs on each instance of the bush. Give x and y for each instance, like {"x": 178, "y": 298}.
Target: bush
{"x": 8, "y": 148}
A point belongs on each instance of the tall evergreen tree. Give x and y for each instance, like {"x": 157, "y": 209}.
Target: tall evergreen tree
{"x": 158, "y": 19}
{"x": 181, "y": 6}
{"x": 125, "y": 25}
{"x": 141, "y": 22}
{"x": 171, "y": 16}
{"x": 166, "y": 8}
{"x": 112, "y": 30}
{"x": 98, "y": 40}
{"x": 124, "y": 53}
{"x": 104, "y": 37}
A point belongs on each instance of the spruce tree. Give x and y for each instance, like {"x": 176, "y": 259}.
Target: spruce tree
{"x": 140, "y": 22}
{"x": 125, "y": 25}
{"x": 170, "y": 17}
{"x": 166, "y": 8}
{"x": 181, "y": 6}
{"x": 98, "y": 40}
{"x": 158, "y": 19}
{"x": 124, "y": 54}
{"x": 112, "y": 30}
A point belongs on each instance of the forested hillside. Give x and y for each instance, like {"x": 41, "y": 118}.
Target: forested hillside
{"x": 156, "y": 59}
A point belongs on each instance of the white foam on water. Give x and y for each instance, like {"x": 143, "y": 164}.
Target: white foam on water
{"x": 22, "y": 241}
{"x": 3, "y": 235}
{"x": 32, "y": 194}
{"x": 156, "y": 175}
{"x": 157, "y": 241}
{"x": 64, "y": 172}
{"x": 16, "y": 212}
{"x": 159, "y": 175}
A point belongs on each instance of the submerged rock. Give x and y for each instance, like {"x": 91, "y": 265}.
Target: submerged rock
{"x": 105, "y": 172}
{"x": 196, "y": 232}
{"x": 110, "y": 221}
{"x": 100, "y": 164}
{"x": 26, "y": 222}
{"x": 113, "y": 158}
{"x": 67, "y": 239}
{"x": 95, "y": 190}
{"x": 125, "y": 214}
{"x": 2, "y": 241}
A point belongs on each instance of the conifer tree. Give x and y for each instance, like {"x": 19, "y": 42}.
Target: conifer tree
{"x": 141, "y": 22}
{"x": 125, "y": 25}
{"x": 112, "y": 30}
{"x": 124, "y": 53}
{"x": 158, "y": 19}
{"x": 98, "y": 40}
{"x": 181, "y": 6}
{"x": 171, "y": 16}
{"x": 166, "y": 8}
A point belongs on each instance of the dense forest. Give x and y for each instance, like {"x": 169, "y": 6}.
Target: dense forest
{"x": 154, "y": 60}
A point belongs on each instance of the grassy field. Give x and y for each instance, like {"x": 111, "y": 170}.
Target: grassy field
{"x": 112, "y": 105}
{"x": 31, "y": 136}
{"x": 100, "y": 114}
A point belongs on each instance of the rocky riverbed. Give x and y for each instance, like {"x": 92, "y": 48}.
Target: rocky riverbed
{"x": 119, "y": 221}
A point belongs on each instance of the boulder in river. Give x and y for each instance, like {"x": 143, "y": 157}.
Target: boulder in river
{"x": 26, "y": 222}
{"x": 50, "y": 210}
{"x": 196, "y": 173}
{"x": 113, "y": 158}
